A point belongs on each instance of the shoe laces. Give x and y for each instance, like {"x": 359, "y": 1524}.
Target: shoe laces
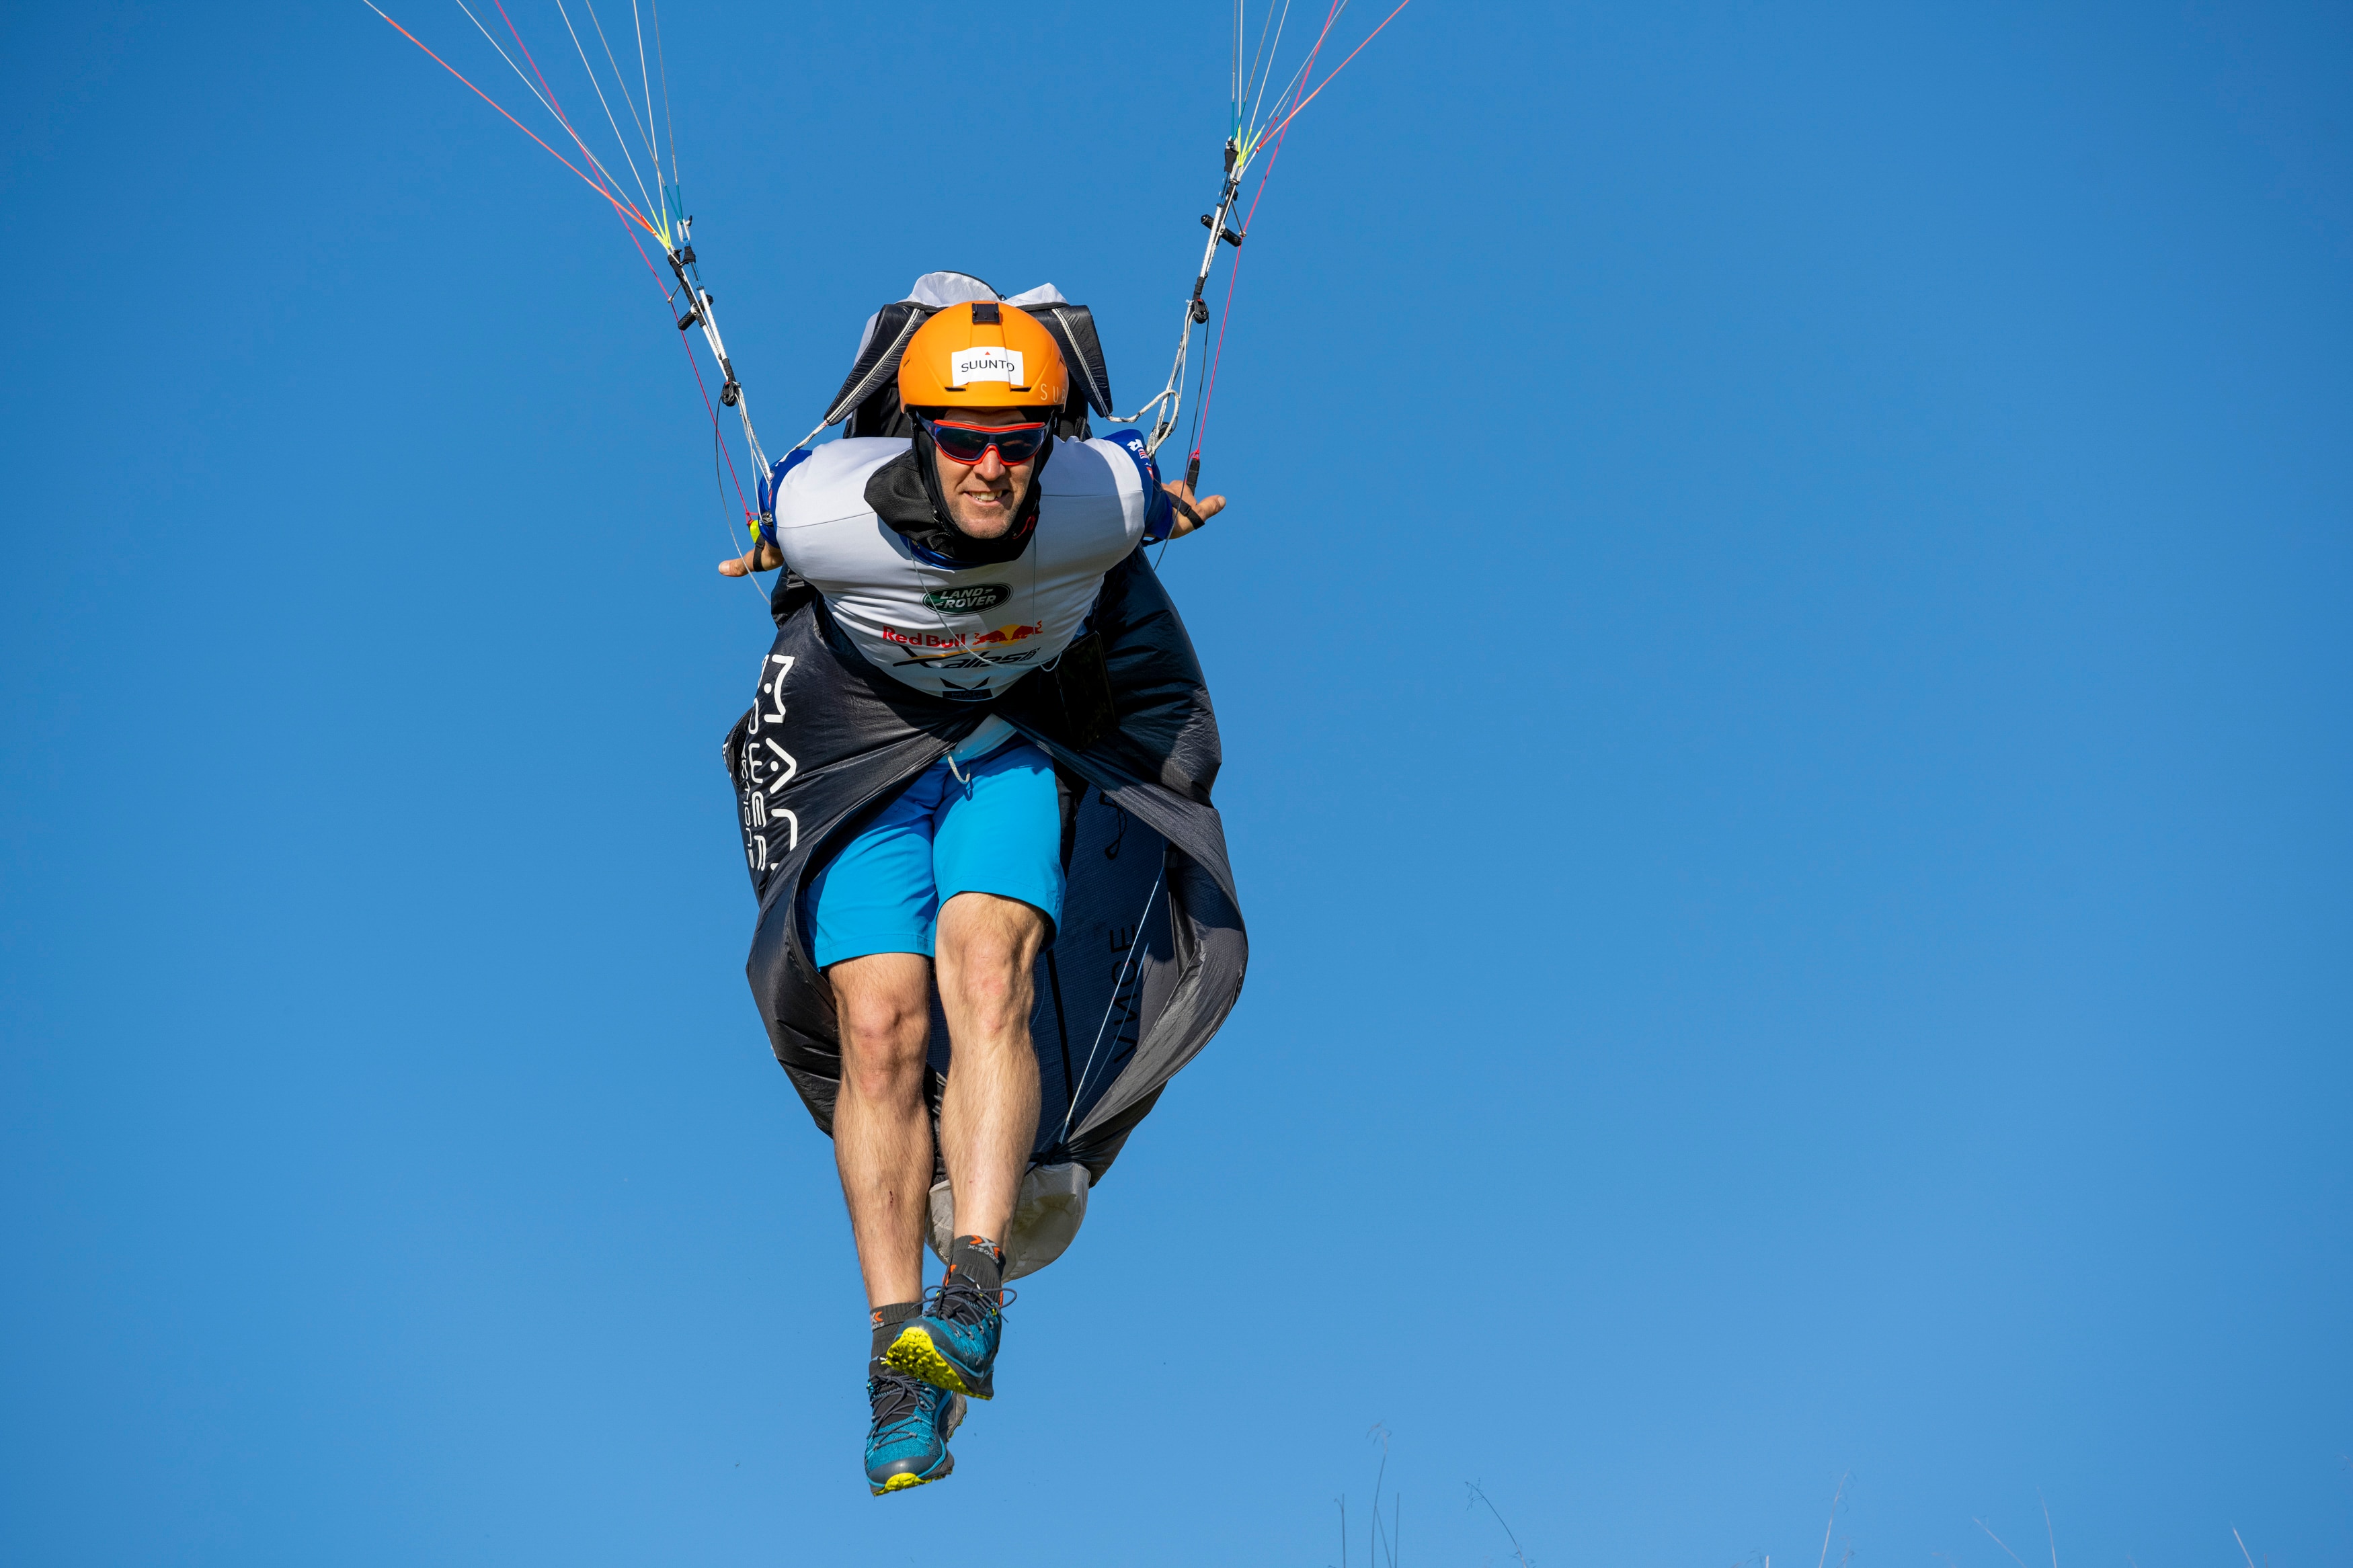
{"x": 895, "y": 1396}
{"x": 959, "y": 1300}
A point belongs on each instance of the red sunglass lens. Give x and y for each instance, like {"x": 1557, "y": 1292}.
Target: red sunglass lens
{"x": 969, "y": 444}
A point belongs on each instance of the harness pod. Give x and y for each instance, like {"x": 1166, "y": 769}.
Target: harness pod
{"x": 1149, "y": 955}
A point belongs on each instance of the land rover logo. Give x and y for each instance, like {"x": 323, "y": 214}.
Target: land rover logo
{"x": 967, "y": 600}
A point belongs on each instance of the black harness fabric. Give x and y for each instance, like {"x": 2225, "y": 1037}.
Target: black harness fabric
{"x": 1148, "y": 958}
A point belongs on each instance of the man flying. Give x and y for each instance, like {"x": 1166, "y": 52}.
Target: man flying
{"x": 958, "y": 561}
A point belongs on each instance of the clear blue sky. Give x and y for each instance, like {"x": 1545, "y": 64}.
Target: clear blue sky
{"x": 1783, "y": 643}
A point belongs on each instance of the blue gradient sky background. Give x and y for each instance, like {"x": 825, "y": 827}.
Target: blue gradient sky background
{"x": 1783, "y": 650}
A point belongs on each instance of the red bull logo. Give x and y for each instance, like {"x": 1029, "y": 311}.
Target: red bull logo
{"x": 937, "y": 644}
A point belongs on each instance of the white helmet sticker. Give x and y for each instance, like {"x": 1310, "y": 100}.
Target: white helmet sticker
{"x": 968, "y": 365}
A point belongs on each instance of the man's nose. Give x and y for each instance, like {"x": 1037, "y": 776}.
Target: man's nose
{"x": 991, "y": 465}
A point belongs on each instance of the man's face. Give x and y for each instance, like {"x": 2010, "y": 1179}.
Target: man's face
{"x": 983, "y": 497}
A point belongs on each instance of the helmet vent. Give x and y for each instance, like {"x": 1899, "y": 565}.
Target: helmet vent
{"x": 984, "y": 313}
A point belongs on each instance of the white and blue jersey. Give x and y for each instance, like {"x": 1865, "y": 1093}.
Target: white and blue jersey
{"x": 966, "y": 633}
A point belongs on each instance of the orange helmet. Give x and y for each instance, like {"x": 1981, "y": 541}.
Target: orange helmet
{"x": 984, "y": 354}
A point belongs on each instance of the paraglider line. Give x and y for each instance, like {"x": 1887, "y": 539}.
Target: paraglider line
{"x": 1254, "y": 90}
{"x": 1339, "y": 68}
{"x": 1276, "y": 132}
{"x": 696, "y": 366}
{"x": 546, "y": 100}
{"x": 555, "y": 105}
{"x": 618, "y": 205}
{"x": 502, "y": 54}
{"x": 1062, "y": 1032}
{"x": 622, "y": 82}
{"x": 661, "y": 64}
{"x": 734, "y": 478}
{"x": 653, "y": 142}
{"x": 702, "y": 387}
{"x": 1261, "y": 112}
{"x": 1233, "y": 277}
{"x": 598, "y": 84}
{"x": 1117, "y": 987}
{"x": 1290, "y": 93}
{"x": 1233, "y": 281}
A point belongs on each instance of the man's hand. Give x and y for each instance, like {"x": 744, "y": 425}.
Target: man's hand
{"x": 762, "y": 557}
{"x": 1190, "y": 513}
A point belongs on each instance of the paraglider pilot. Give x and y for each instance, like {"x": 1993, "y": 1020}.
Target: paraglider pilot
{"x": 953, "y": 565}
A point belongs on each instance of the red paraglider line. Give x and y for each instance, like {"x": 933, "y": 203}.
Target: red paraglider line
{"x": 1233, "y": 281}
{"x": 556, "y": 108}
{"x": 627, "y": 212}
{"x": 700, "y": 385}
{"x": 1359, "y": 49}
{"x": 1275, "y": 156}
{"x": 621, "y": 209}
{"x": 685, "y": 347}
{"x": 535, "y": 71}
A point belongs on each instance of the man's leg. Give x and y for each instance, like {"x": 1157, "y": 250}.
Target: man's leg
{"x": 882, "y": 1146}
{"x": 882, "y": 1131}
{"x": 988, "y": 949}
{"x": 987, "y": 1119}
{"x": 996, "y": 860}
{"x": 870, "y": 914}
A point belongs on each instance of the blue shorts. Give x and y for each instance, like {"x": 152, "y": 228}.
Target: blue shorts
{"x": 998, "y": 830}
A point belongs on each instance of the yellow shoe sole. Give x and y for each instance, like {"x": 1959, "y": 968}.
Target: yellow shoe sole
{"x": 904, "y": 1480}
{"x": 913, "y": 1354}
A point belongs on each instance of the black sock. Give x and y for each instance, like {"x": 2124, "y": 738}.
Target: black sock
{"x": 979, "y": 1261}
{"x": 885, "y": 1321}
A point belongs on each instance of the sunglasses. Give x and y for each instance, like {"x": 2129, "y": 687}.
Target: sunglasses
{"x": 970, "y": 442}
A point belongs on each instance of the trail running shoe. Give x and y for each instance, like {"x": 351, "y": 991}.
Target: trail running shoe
{"x": 954, "y": 1344}
{"x": 908, "y": 1444}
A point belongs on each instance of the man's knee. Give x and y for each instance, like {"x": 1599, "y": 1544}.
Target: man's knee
{"x": 881, "y": 1059}
{"x": 884, "y": 1032}
{"x": 988, "y": 989}
{"x": 986, "y": 949}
